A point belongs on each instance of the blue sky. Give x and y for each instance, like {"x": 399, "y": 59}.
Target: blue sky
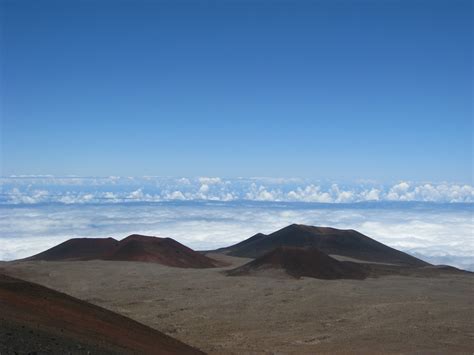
{"x": 317, "y": 89}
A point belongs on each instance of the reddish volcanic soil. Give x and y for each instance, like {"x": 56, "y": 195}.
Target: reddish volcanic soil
{"x": 298, "y": 262}
{"x": 37, "y": 319}
{"x": 165, "y": 251}
{"x": 331, "y": 241}
{"x": 79, "y": 249}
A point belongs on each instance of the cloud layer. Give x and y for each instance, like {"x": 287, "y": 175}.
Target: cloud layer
{"x": 20, "y": 190}
{"x": 441, "y": 233}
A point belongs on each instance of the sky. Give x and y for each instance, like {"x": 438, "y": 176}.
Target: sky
{"x": 210, "y": 121}
{"x": 343, "y": 90}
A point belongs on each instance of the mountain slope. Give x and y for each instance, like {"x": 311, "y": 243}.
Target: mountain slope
{"x": 331, "y": 241}
{"x": 79, "y": 249}
{"x": 35, "y": 319}
{"x": 165, "y": 251}
{"x": 298, "y": 262}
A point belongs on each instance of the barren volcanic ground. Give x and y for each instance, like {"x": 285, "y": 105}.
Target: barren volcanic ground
{"x": 35, "y": 319}
{"x": 247, "y": 314}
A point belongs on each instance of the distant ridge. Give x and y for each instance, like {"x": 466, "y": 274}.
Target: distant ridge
{"x": 165, "y": 251}
{"x": 331, "y": 241}
{"x": 78, "y": 249}
{"x": 298, "y": 262}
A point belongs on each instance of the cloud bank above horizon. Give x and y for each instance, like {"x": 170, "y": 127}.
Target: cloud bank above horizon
{"x": 433, "y": 221}
{"x": 71, "y": 190}
{"x": 438, "y": 233}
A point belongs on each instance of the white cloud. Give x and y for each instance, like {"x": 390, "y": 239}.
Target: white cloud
{"x": 399, "y": 192}
{"x": 184, "y": 181}
{"x": 260, "y": 193}
{"x": 433, "y": 231}
{"x": 70, "y": 190}
{"x": 204, "y": 188}
{"x": 137, "y": 195}
{"x": 343, "y": 196}
{"x": 310, "y": 193}
{"x": 372, "y": 195}
{"x": 35, "y": 196}
{"x": 210, "y": 180}
{"x": 110, "y": 196}
{"x": 175, "y": 195}
{"x": 264, "y": 195}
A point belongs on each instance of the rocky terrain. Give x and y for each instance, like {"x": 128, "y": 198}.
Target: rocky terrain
{"x": 301, "y": 290}
{"x": 35, "y": 319}
{"x": 299, "y": 262}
